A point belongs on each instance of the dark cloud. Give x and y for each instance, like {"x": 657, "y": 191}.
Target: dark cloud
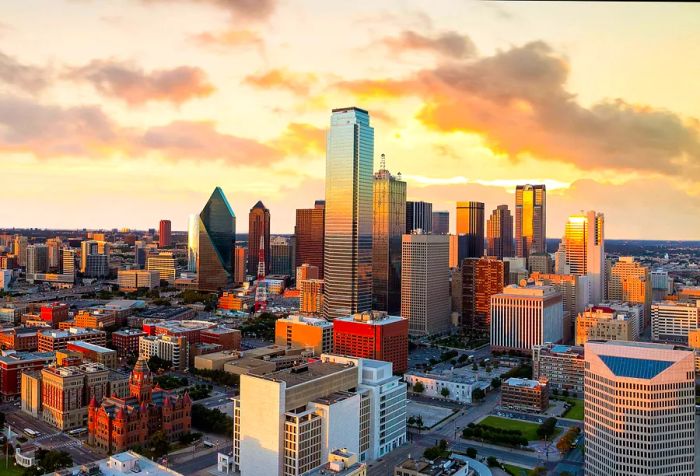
{"x": 24, "y": 77}
{"x": 449, "y": 44}
{"x": 135, "y": 86}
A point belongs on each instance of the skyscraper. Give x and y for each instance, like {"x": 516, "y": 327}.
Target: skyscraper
{"x": 419, "y": 216}
{"x": 347, "y": 257}
{"x": 530, "y": 219}
{"x": 499, "y": 233}
{"x": 139, "y": 254}
{"x": 470, "y": 223}
{"x": 258, "y": 225}
{"x": 37, "y": 259}
{"x": 239, "y": 264}
{"x": 631, "y": 282}
{"x": 164, "y": 233}
{"x": 217, "y": 237}
{"x": 441, "y": 222}
{"x": 584, "y": 242}
{"x": 282, "y": 255}
{"x": 640, "y": 409}
{"x": 425, "y": 287}
{"x": 309, "y": 235}
{"x": 481, "y": 279}
{"x": 54, "y": 246}
{"x": 93, "y": 247}
{"x": 192, "y": 242}
{"x": 389, "y": 224}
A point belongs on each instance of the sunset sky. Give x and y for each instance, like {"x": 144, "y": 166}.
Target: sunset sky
{"x": 121, "y": 113}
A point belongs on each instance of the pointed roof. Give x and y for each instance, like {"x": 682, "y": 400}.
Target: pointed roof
{"x": 259, "y": 205}
{"x": 218, "y": 194}
{"x": 141, "y": 366}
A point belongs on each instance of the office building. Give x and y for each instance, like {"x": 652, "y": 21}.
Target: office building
{"x": 560, "y": 264}
{"x": 659, "y": 280}
{"x": 54, "y": 312}
{"x": 258, "y": 226}
{"x": 425, "y": 286}
{"x": 530, "y": 220}
{"x": 419, "y": 216}
{"x": 67, "y": 262}
{"x": 584, "y": 243}
{"x": 311, "y": 297}
{"x": 282, "y": 256}
{"x": 51, "y": 340}
{"x": 100, "y": 266}
{"x": 454, "y": 260}
{"x": 347, "y": 256}
{"x": 373, "y": 335}
{"x": 481, "y": 279}
{"x": 389, "y": 224}
{"x": 575, "y": 292}
{"x": 525, "y": 394}
{"x": 309, "y": 232}
{"x": 441, "y": 222}
{"x": 561, "y": 365}
{"x": 499, "y": 233}
{"x": 164, "y": 263}
{"x": 217, "y": 239}
{"x": 640, "y": 410}
{"x": 192, "y": 242}
{"x": 240, "y": 261}
{"x": 172, "y": 348}
{"x": 139, "y": 254}
{"x": 671, "y": 321}
{"x": 133, "y": 279}
{"x": 631, "y": 282}
{"x": 470, "y": 224}
{"x": 37, "y": 259}
{"x": 13, "y": 364}
{"x": 517, "y": 269}
{"x": 605, "y": 323}
{"x": 525, "y": 316}
{"x": 305, "y": 332}
{"x": 164, "y": 233}
{"x": 540, "y": 263}
{"x": 96, "y": 266}
{"x": 300, "y": 415}
{"x": 54, "y": 246}
{"x": 19, "y": 249}
{"x": 126, "y": 342}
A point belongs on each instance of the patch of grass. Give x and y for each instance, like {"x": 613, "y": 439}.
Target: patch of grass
{"x": 516, "y": 470}
{"x": 529, "y": 430}
{"x": 576, "y": 411}
{"x": 12, "y": 468}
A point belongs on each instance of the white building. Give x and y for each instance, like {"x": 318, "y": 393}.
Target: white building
{"x": 640, "y": 410}
{"x": 524, "y": 316}
{"x": 460, "y": 387}
{"x": 425, "y": 283}
{"x": 172, "y": 348}
{"x": 5, "y": 279}
{"x": 671, "y": 320}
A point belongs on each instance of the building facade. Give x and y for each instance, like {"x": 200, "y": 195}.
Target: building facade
{"x": 419, "y": 216}
{"x": 499, "y": 233}
{"x": 470, "y": 224}
{"x": 530, "y": 220}
{"x": 305, "y": 332}
{"x": 164, "y": 233}
{"x": 217, "y": 239}
{"x": 525, "y": 394}
{"x": 584, "y": 242}
{"x": 481, "y": 279}
{"x": 165, "y": 264}
{"x": 561, "y": 365}
{"x": 441, "y": 222}
{"x": 631, "y": 282}
{"x": 309, "y": 233}
{"x": 671, "y": 321}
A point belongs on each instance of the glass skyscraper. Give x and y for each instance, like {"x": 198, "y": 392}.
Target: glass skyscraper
{"x": 217, "y": 238}
{"x": 192, "y": 242}
{"x": 347, "y": 260}
{"x": 389, "y": 224}
{"x": 499, "y": 233}
{"x": 530, "y": 220}
{"x": 470, "y": 223}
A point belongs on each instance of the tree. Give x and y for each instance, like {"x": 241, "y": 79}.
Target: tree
{"x": 432, "y": 453}
{"x": 445, "y": 392}
{"x": 492, "y": 462}
{"x": 156, "y": 364}
{"x": 475, "y": 367}
{"x": 546, "y": 429}
{"x": 419, "y": 387}
{"x": 565, "y": 393}
{"x": 471, "y": 452}
{"x": 160, "y": 444}
{"x": 419, "y": 423}
{"x": 495, "y": 383}
{"x": 478, "y": 394}
{"x": 49, "y": 461}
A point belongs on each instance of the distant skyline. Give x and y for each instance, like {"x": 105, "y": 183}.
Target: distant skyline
{"x": 109, "y": 119}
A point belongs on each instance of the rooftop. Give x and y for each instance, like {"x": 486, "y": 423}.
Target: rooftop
{"x": 376, "y": 318}
{"x": 92, "y": 347}
{"x": 635, "y": 368}
{"x": 120, "y": 464}
{"x": 522, "y": 382}
{"x": 306, "y": 373}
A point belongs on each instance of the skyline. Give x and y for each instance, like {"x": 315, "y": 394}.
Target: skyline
{"x": 500, "y": 94}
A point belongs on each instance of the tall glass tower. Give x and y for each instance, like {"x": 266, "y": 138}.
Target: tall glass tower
{"x": 470, "y": 223}
{"x": 530, "y": 220}
{"x": 192, "y": 242}
{"x": 217, "y": 238}
{"x": 347, "y": 260}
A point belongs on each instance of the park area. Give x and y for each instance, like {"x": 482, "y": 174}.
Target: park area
{"x": 576, "y": 410}
{"x": 12, "y": 468}
{"x": 510, "y": 433}
{"x": 528, "y": 430}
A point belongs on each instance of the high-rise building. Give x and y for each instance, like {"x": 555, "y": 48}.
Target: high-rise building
{"x": 19, "y": 249}
{"x": 67, "y": 263}
{"x": 258, "y": 226}
{"x": 481, "y": 279}
{"x": 37, "y": 259}
{"x": 309, "y": 231}
{"x": 470, "y": 223}
{"x": 282, "y": 256}
{"x": 631, "y": 282}
{"x": 54, "y": 250}
{"x": 671, "y": 321}
{"x": 560, "y": 264}
{"x": 605, "y": 323}
{"x": 217, "y": 238}
{"x": 310, "y": 297}
{"x": 524, "y": 316}
{"x": 192, "y": 242}
{"x": 584, "y": 243}
{"x": 419, "y": 216}
{"x": 92, "y": 248}
{"x": 499, "y": 233}
{"x": 640, "y": 409}
{"x": 164, "y": 233}
{"x": 240, "y": 262}
{"x": 140, "y": 254}
{"x": 305, "y": 332}
{"x": 425, "y": 286}
{"x": 530, "y": 220}
{"x": 373, "y": 335}
{"x": 389, "y": 224}
{"x": 441, "y": 222}
{"x": 454, "y": 251}
{"x": 347, "y": 256}
{"x": 306, "y": 271}
{"x": 575, "y": 292}
{"x": 164, "y": 263}
{"x": 96, "y": 266}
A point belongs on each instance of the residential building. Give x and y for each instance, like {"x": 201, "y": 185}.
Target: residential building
{"x": 19, "y": 249}
{"x": 309, "y": 233}
{"x": 631, "y": 282}
{"x": 419, "y": 216}
{"x": 530, "y": 220}
{"x": 425, "y": 287}
{"x": 499, "y": 233}
{"x": 481, "y": 279}
{"x": 94, "y": 353}
{"x": 258, "y": 227}
{"x": 54, "y": 253}
{"x": 524, "y": 316}
{"x": 217, "y": 239}
{"x": 51, "y": 340}
{"x": 373, "y": 335}
{"x": 170, "y": 348}
{"x": 561, "y": 365}
{"x": 525, "y": 394}
{"x": 441, "y": 222}
{"x": 165, "y": 264}
{"x": 605, "y": 323}
{"x": 164, "y": 233}
{"x": 305, "y": 332}
{"x": 98, "y": 265}
{"x": 649, "y": 391}
{"x": 347, "y": 259}
{"x": 311, "y": 297}
{"x": 133, "y": 279}
{"x": 671, "y": 321}
{"x": 470, "y": 224}
{"x": 584, "y": 242}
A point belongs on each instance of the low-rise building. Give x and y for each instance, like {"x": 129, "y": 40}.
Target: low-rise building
{"x": 120, "y": 464}
{"x": 605, "y": 323}
{"x": 94, "y": 319}
{"x": 341, "y": 462}
{"x": 459, "y": 387}
{"x": 671, "y": 321}
{"x": 455, "y": 465}
{"x": 525, "y": 394}
{"x": 561, "y": 365}
{"x": 234, "y": 302}
{"x": 13, "y": 364}
{"x": 94, "y": 353}
{"x": 51, "y": 340}
{"x": 172, "y": 348}
{"x": 19, "y": 339}
{"x": 305, "y": 332}
{"x": 126, "y": 342}
{"x": 134, "y": 279}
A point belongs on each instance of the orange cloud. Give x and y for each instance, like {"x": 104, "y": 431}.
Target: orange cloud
{"x": 298, "y": 83}
{"x": 135, "y": 86}
{"x": 301, "y": 139}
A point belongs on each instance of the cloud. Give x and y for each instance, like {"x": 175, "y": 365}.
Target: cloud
{"x": 133, "y": 85}
{"x": 24, "y": 77}
{"x": 246, "y": 9}
{"x": 449, "y": 44}
{"x": 298, "y": 83}
{"x": 231, "y": 38}
{"x": 301, "y": 140}
{"x": 518, "y": 101}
